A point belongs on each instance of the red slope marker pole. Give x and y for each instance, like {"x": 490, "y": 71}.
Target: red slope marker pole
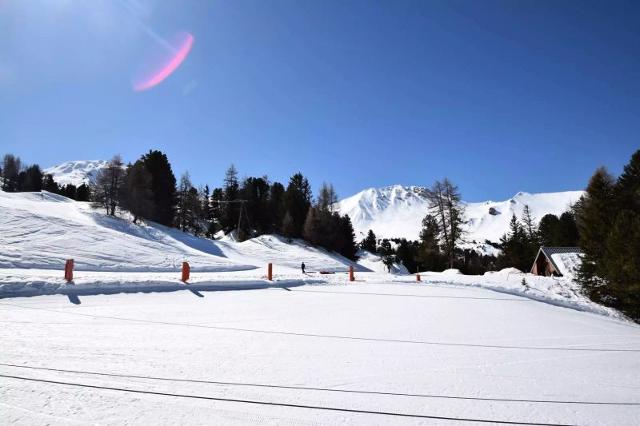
{"x": 351, "y": 276}
{"x": 418, "y": 277}
{"x": 68, "y": 270}
{"x": 186, "y": 270}
{"x": 270, "y": 271}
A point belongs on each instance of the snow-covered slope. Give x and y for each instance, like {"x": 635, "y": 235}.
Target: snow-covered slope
{"x": 41, "y": 230}
{"x": 76, "y": 172}
{"x": 397, "y": 211}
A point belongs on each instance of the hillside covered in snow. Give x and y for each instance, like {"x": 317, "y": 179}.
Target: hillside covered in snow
{"x": 42, "y": 230}
{"x": 397, "y": 212}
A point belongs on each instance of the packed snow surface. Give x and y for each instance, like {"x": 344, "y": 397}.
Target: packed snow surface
{"x": 76, "y": 172}
{"x": 397, "y": 212}
{"x": 359, "y": 353}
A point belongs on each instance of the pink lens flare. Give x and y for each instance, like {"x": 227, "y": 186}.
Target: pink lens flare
{"x": 163, "y": 67}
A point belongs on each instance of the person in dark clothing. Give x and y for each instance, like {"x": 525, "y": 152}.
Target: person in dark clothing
{"x": 302, "y": 267}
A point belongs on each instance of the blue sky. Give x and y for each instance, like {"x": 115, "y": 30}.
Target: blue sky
{"x": 499, "y": 96}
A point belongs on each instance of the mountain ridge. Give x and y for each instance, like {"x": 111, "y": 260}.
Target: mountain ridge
{"x": 396, "y": 211}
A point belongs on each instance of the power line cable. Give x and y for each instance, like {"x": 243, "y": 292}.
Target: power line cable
{"x": 352, "y": 391}
{"x": 281, "y": 404}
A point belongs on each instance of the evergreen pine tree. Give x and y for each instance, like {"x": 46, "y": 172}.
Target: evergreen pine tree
{"x": 205, "y": 201}
{"x": 83, "y": 193}
{"x": 297, "y": 200}
{"x": 429, "y": 250}
{"x": 386, "y": 252}
{"x": 622, "y": 266}
{"x": 50, "y": 185}
{"x": 348, "y": 247}
{"x": 194, "y": 208}
{"x": 627, "y": 190}
{"x": 594, "y": 212}
{"x": 276, "y": 207}
{"x": 369, "y": 243}
{"x": 69, "y": 190}
{"x": 32, "y": 179}
{"x": 257, "y": 216}
{"x": 567, "y": 232}
{"x": 515, "y": 250}
{"x": 217, "y": 195}
{"x": 548, "y": 230}
{"x": 136, "y": 194}
{"x": 230, "y": 210}
{"x": 529, "y": 224}
{"x": 288, "y": 226}
{"x": 11, "y": 167}
{"x": 531, "y": 238}
{"x": 163, "y": 187}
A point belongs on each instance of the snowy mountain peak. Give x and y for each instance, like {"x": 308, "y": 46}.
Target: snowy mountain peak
{"x": 397, "y": 212}
{"x": 76, "y": 172}
{"x": 372, "y": 202}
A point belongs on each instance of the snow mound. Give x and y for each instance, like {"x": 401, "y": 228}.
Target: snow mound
{"x": 287, "y": 254}
{"x": 452, "y": 271}
{"x": 509, "y": 271}
{"x": 374, "y": 263}
{"x": 552, "y": 290}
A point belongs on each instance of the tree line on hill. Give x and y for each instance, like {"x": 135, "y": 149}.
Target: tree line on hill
{"x": 16, "y": 177}
{"x": 253, "y": 206}
{"x": 608, "y": 219}
{"x": 249, "y": 207}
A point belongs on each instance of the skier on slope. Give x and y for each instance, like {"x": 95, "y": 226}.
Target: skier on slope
{"x": 302, "y": 267}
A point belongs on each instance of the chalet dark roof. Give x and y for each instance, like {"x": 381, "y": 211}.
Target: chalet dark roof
{"x": 554, "y": 250}
{"x": 548, "y": 251}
